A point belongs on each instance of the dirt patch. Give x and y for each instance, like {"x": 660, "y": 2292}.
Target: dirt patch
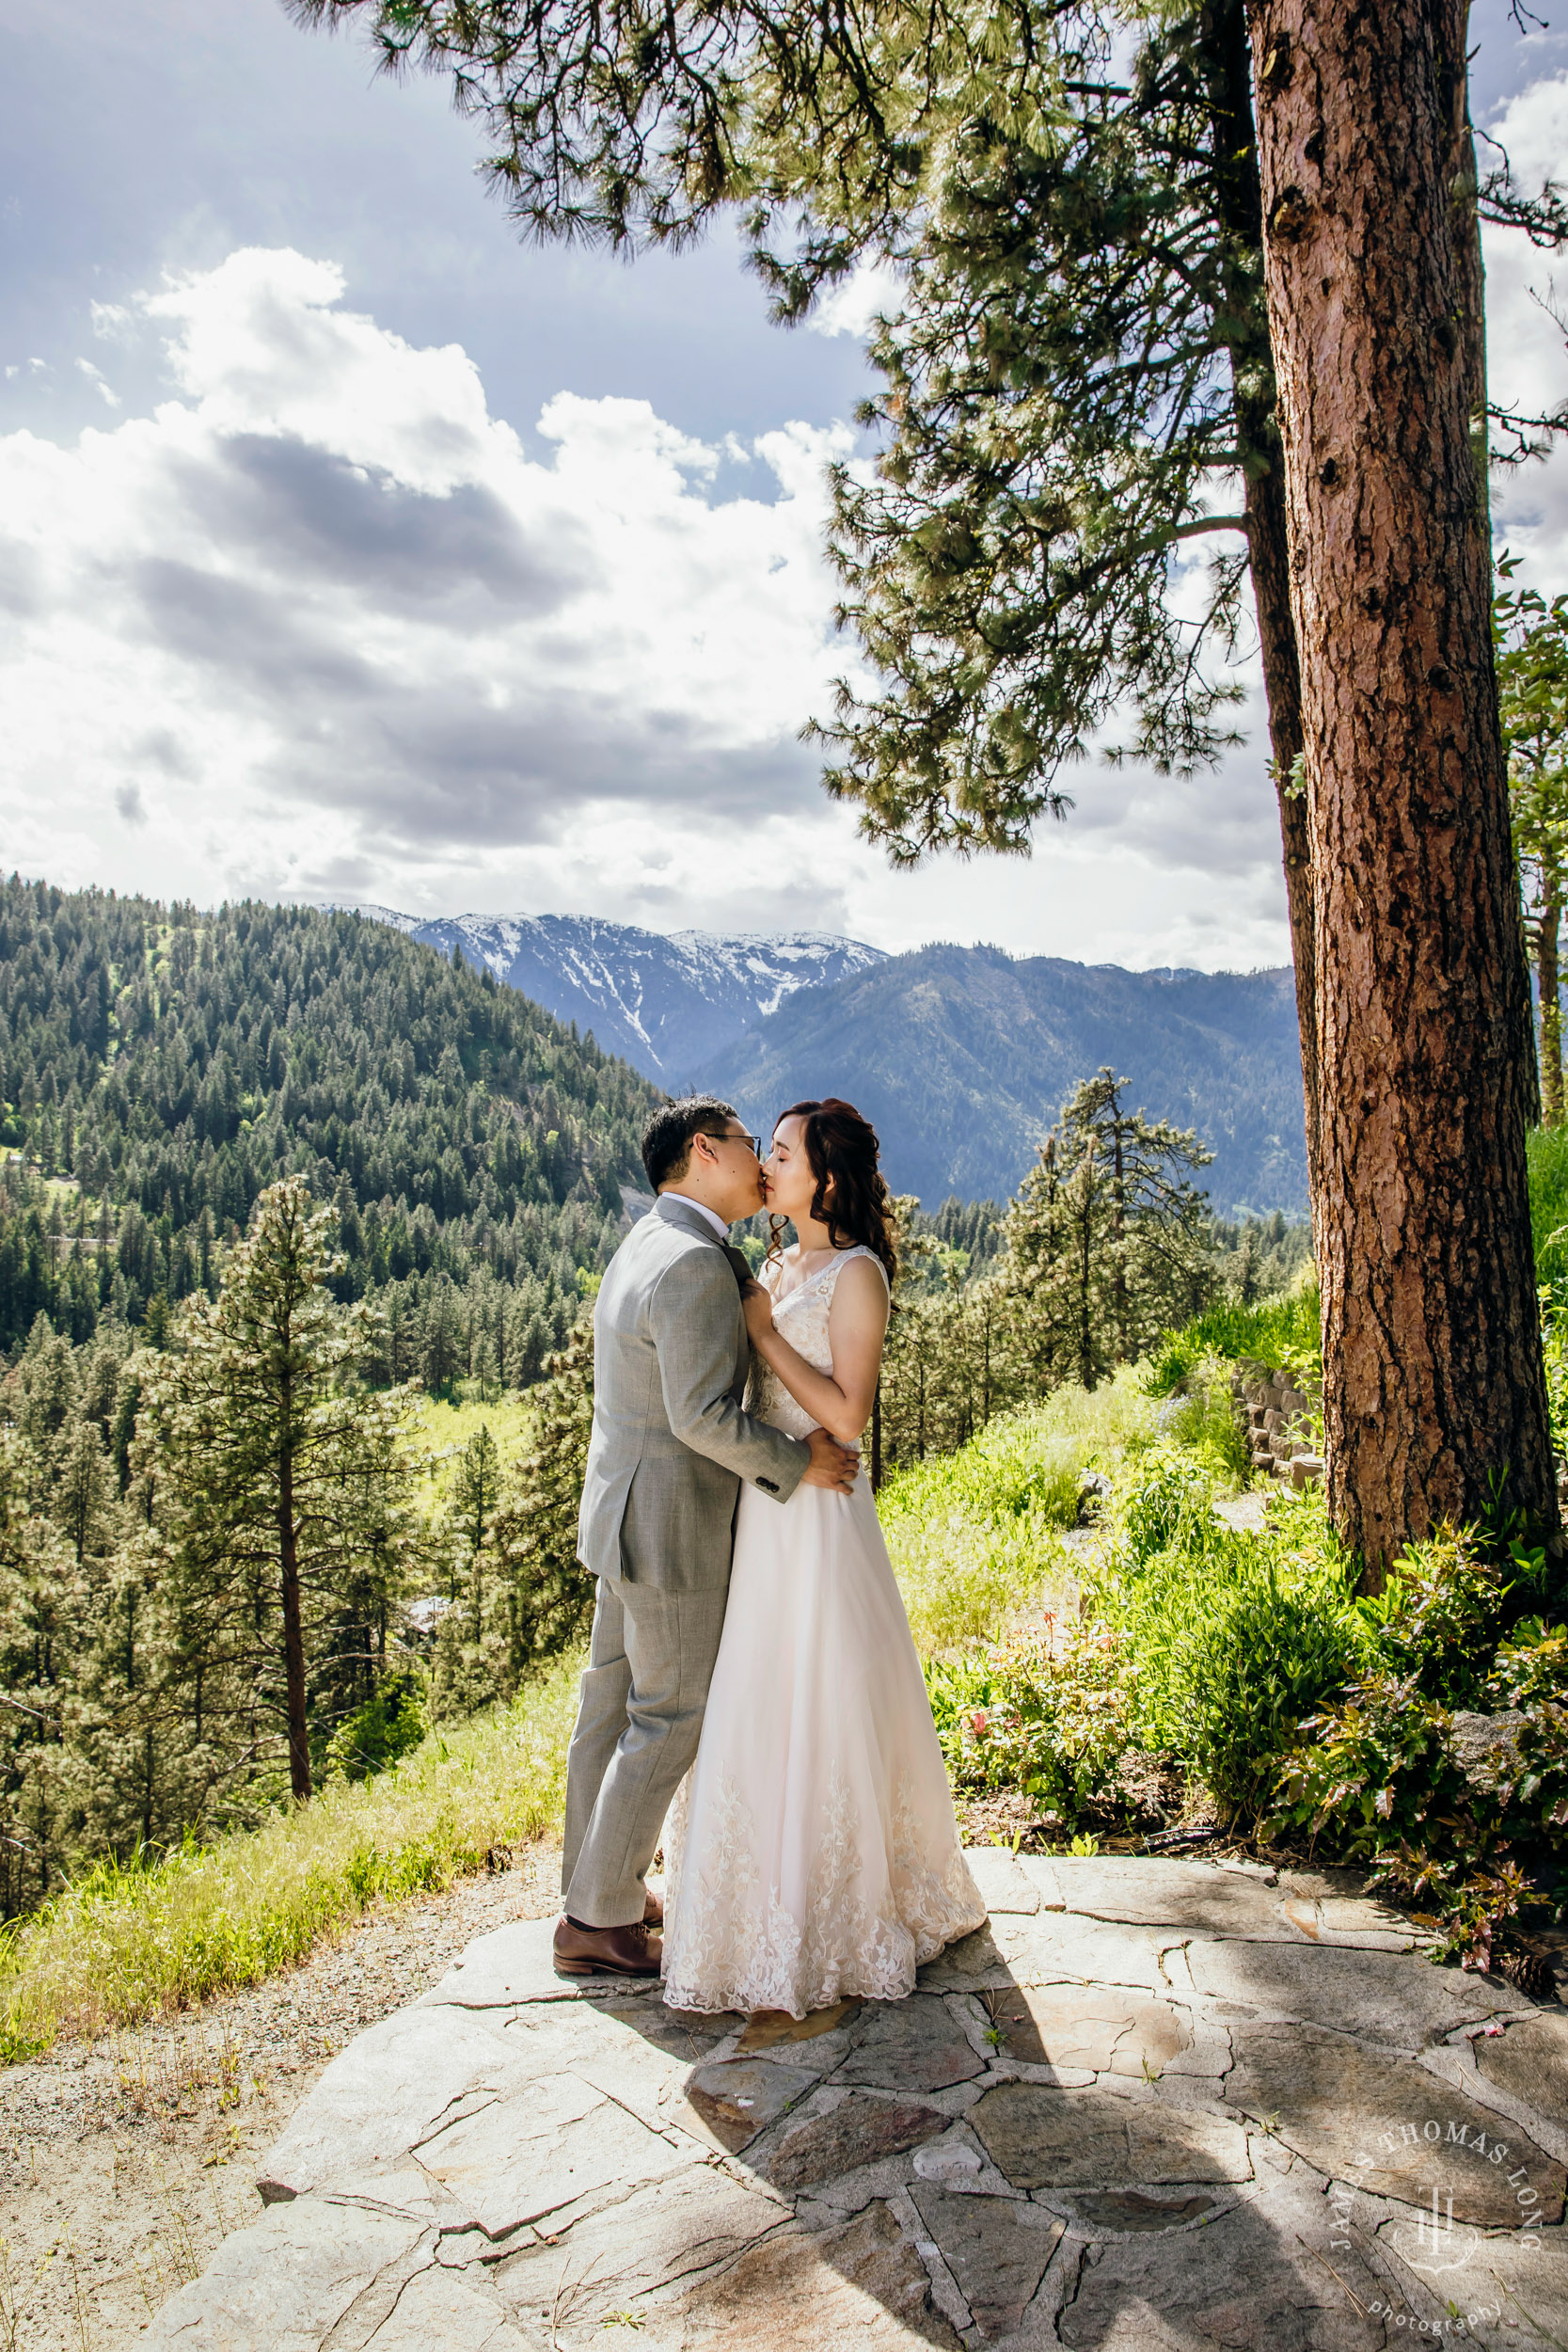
{"x": 124, "y": 2161}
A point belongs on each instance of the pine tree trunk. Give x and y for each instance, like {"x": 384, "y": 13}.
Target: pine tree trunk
{"x": 1432, "y": 1357}
{"x": 293, "y": 1634}
{"x": 1241, "y": 212}
{"x": 1547, "y": 926}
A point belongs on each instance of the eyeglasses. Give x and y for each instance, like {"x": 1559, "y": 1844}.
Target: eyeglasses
{"x": 728, "y": 1137}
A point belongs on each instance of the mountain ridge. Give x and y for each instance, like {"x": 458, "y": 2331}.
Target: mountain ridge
{"x": 664, "y": 1001}
{"x": 962, "y": 1056}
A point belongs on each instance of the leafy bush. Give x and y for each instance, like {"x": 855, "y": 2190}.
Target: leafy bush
{"x": 1447, "y": 1762}
{"x": 1248, "y": 1673}
{"x": 386, "y": 1728}
{"x": 1046, "y": 1712}
{"x": 1236, "y": 1637}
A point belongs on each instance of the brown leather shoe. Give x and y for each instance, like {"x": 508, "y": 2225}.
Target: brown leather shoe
{"x": 633, "y": 1951}
{"x": 652, "y": 1912}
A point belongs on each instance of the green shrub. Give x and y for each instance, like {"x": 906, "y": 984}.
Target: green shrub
{"x": 1235, "y": 1637}
{"x": 386, "y": 1728}
{"x": 1383, "y": 1776}
{"x": 1046, "y": 1712}
{"x": 1252, "y": 1668}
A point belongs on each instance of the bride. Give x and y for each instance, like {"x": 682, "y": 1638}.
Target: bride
{"x": 813, "y": 1853}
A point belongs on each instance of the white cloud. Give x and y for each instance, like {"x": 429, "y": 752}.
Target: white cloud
{"x": 852, "y": 306}
{"x": 324, "y": 612}
{"x": 110, "y": 398}
{"x": 1527, "y": 355}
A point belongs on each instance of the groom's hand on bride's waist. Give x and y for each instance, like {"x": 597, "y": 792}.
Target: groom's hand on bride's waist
{"x": 831, "y": 1464}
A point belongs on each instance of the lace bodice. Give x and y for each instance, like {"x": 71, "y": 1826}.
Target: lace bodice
{"x": 801, "y": 1316}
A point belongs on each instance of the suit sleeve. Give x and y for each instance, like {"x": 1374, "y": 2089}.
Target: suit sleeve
{"x": 694, "y": 1312}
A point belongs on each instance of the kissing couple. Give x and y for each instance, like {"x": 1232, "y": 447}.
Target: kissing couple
{"x": 750, "y": 1647}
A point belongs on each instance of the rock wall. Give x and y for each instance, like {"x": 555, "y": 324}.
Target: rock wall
{"x": 1277, "y": 1419}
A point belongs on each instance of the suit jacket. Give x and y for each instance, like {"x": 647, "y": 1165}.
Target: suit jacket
{"x": 669, "y": 1444}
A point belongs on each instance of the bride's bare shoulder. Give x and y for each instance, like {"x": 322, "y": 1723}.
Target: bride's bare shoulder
{"x": 862, "y": 1287}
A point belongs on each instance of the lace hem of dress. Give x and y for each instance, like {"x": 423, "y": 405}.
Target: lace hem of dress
{"x": 732, "y": 1944}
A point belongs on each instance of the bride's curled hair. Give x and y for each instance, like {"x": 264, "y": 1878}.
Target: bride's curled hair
{"x": 851, "y": 1196}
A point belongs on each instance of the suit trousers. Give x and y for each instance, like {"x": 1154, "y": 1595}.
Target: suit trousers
{"x": 639, "y": 1716}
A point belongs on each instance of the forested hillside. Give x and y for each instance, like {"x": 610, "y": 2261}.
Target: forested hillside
{"x": 161, "y": 1067}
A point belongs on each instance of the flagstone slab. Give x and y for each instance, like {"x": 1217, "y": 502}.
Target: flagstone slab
{"x": 916, "y": 2045}
{"x": 1516, "y": 2287}
{"x": 288, "y": 2279}
{"x": 1040, "y": 1871}
{"x": 1262, "y": 2278}
{"x": 642, "y": 2246}
{"x": 441, "y": 2311}
{"x": 1041, "y": 2137}
{"x": 770, "y": 2027}
{"x": 862, "y": 2288}
{"x": 997, "y": 2247}
{"x": 1220, "y": 1898}
{"x": 1530, "y": 2062}
{"x": 1099, "y": 2027}
{"x": 1004, "y": 1883}
{"x": 383, "y": 2094}
{"x": 1389, "y": 2126}
{"x": 1383, "y": 1998}
{"x": 730, "y": 2100}
{"x": 517, "y": 1963}
{"x": 860, "y": 2130}
{"x": 1137, "y": 2212}
{"x": 1049, "y": 1948}
{"x": 545, "y": 2152}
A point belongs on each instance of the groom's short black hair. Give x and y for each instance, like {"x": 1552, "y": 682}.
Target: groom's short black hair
{"x": 667, "y": 1136}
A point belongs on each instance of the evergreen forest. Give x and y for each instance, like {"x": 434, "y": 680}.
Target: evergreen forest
{"x": 158, "y": 1068}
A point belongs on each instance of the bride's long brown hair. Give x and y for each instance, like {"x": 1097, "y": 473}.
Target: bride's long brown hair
{"x": 851, "y": 1198}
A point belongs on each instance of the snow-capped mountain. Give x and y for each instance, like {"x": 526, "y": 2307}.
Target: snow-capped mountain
{"x": 668, "y": 1004}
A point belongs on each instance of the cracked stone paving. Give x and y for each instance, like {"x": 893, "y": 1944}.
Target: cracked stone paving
{"x": 1151, "y": 2104}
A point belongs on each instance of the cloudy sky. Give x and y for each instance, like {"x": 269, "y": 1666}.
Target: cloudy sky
{"x": 350, "y": 549}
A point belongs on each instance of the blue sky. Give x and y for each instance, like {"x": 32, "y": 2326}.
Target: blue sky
{"x": 356, "y": 549}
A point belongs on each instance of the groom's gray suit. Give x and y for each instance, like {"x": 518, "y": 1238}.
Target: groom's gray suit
{"x": 668, "y": 1448}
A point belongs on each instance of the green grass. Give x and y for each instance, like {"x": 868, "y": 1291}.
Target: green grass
{"x": 975, "y": 1537}
{"x": 1548, "y": 1151}
{"x": 1280, "y": 1333}
{"x": 128, "y": 1943}
{"x": 443, "y": 1427}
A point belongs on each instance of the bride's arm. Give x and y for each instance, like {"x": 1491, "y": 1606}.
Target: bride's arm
{"x": 857, "y": 1324}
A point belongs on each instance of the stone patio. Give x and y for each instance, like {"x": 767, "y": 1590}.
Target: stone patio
{"x": 1152, "y": 2104}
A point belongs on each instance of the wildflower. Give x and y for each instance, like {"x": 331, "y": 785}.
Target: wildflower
{"x": 979, "y": 1722}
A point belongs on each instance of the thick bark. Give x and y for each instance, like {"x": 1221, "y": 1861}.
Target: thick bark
{"x": 1432, "y": 1355}
{"x": 1241, "y": 215}
{"x": 293, "y": 1636}
{"x": 1548, "y": 924}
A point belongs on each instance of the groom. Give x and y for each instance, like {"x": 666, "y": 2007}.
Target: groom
{"x": 669, "y": 1448}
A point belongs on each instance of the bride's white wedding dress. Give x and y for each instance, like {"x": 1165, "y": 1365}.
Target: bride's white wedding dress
{"x": 812, "y": 1853}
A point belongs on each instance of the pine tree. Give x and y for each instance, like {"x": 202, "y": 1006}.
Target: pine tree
{"x": 546, "y": 1593}
{"x": 286, "y": 1481}
{"x": 1533, "y": 688}
{"x": 1108, "y": 1239}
